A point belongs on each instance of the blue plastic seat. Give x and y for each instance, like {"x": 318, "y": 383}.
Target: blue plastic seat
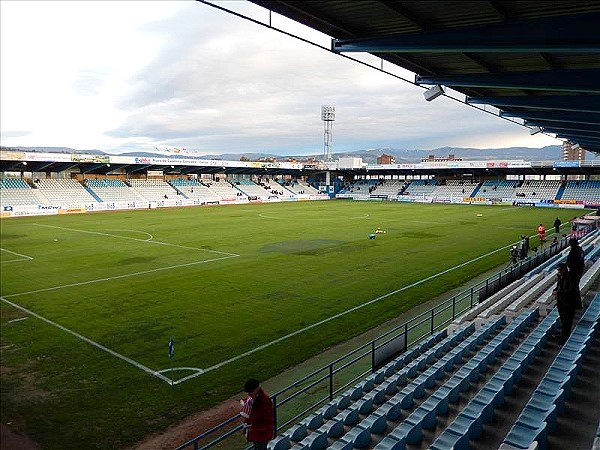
{"x": 315, "y": 441}
{"x": 332, "y": 428}
{"x": 358, "y": 436}
{"x": 392, "y": 411}
{"x": 522, "y": 437}
{"x": 280, "y": 443}
{"x": 389, "y": 443}
{"x": 297, "y": 432}
{"x": 376, "y": 422}
{"x": 407, "y": 432}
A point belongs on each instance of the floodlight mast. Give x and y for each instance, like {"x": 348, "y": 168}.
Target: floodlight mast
{"x": 328, "y": 117}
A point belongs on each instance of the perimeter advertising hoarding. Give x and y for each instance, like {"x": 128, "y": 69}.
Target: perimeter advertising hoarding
{"x": 566, "y": 164}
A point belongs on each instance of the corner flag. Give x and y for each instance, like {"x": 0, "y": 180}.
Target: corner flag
{"x": 171, "y": 348}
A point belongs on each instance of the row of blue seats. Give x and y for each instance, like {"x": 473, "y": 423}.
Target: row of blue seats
{"x": 410, "y": 360}
{"x": 538, "y": 417}
{"x": 376, "y": 420}
{"x": 343, "y": 412}
{"x": 468, "y": 424}
{"x": 410, "y": 431}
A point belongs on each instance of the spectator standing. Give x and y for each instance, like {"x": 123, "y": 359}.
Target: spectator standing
{"x": 565, "y": 301}
{"x": 557, "y": 224}
{"x": 541, "y": 233}
{"x": 576, "y": 265}
{"x": 260, "y": 423}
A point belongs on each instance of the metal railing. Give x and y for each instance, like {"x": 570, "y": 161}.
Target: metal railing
{"x": 321, "y": 386}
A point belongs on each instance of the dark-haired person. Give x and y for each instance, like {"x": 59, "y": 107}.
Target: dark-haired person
{"x": 260, "y": 423}
{"x": 557, "y": 224}
{"x": 576, "y": 265}
{"x": 565, "y": 301}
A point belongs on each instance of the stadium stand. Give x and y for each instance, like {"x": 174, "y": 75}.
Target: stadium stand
{"x": 455, "y": 188}
{"x": 65, "y": 190}
{"x": 251, "y": 189}
{"x": 153, "y": 190}
{"x": 299, "y": 187}
{"x": 421, "y": 187}
{"x": 16, "y": 191}
{"x": 195, "y": 190}
{"x": 497, "y": 189}
{"x": 111, "y": 190}
{"x": 588, "y": 190}
{"x": 224, "y": 190}
{"x": 538, "y": 189}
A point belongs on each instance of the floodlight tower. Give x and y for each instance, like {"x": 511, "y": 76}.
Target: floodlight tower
{"x": 328, "y": 117}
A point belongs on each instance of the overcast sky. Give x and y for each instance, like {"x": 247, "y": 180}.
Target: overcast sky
{"x": 124, "y": 76}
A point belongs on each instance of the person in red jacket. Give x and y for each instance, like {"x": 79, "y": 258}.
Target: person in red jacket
{"x": 260, "y": 425}
{"x": 541, "y": 234}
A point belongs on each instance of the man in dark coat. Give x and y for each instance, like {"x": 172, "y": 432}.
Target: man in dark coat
{"x": 557, "y": 224}
{"x": 260, "y": 424}
{"x": 576, "y": 265}
{"x": 565, "y": 301}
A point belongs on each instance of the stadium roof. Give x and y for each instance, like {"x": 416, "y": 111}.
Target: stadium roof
{"x": 535, "y": 60}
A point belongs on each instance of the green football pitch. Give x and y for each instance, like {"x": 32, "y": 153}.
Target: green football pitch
{"x": 90, "y": 302}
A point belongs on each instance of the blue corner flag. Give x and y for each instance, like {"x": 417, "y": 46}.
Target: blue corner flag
{"x": 171, "y": 348}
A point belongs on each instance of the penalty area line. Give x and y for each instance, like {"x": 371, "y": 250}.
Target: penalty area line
{"x": 149, "y": 241}
{"x": 118, "y": 277}
{"x": 89, "y": 341}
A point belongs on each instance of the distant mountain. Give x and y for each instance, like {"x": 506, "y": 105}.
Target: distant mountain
{"x": 549, "y": 153}
{"x": 54, "y": 150}
{"x": 369, "y": 156}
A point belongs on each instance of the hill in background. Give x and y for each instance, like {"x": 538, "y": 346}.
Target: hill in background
{"x": 548, "y": 153}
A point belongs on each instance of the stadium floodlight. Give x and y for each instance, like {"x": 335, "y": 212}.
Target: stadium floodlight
{"x": 433, "y": 92}
{"x": 535, "y": 130}
{"x": 328, "y": 117}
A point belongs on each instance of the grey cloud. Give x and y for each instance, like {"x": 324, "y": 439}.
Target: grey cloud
{"x": 15, "y": 133}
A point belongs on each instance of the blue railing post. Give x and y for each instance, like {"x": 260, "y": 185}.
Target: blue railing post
{"x": 454, "y": 307}
{"x": 432, "y": 319}
{"x": 330, "y": 382}
{"x": 373, "y": 356}
{"x": 471, "y": 296}
{"x": 274, "y": 398}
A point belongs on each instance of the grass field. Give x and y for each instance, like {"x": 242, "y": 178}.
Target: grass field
{"x": 90, "y": 301}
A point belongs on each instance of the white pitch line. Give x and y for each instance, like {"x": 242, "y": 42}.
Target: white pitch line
{"x": 336, "y": 316}
{"x": 27, "y": 258}
{"x": 93, "y": 343}
{"x": 18, "y": 320}
{"x": 136, "y": 239}
{"x": 117, "y": 277}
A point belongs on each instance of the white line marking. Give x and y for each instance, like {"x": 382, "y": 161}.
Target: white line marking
{"x": 18, "y": 320}
{"x": 25, "y": 257}
{"x": 150, "y": 237}
{"x": 93, "y": 343}
{"x": 136, "y": 239}
{"x": 117, "y": 277}
{"x": 336, "y": 316}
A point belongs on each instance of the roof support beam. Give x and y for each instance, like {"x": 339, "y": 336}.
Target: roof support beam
{"x": 563, "y": 127}
{"x": 566, "y": 34}
{"x": 581, "y": 80}
{"x": 554, "y": 116}
{"x": 576, "y": 103}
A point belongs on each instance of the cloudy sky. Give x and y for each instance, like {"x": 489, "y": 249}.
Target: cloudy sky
{"x": 122, "y": 76}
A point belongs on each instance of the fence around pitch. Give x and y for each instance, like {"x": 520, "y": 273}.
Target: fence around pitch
{"x": 319, "y": 387}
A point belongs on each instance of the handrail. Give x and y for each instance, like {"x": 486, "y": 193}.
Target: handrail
{"x": 507, "y": 275}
